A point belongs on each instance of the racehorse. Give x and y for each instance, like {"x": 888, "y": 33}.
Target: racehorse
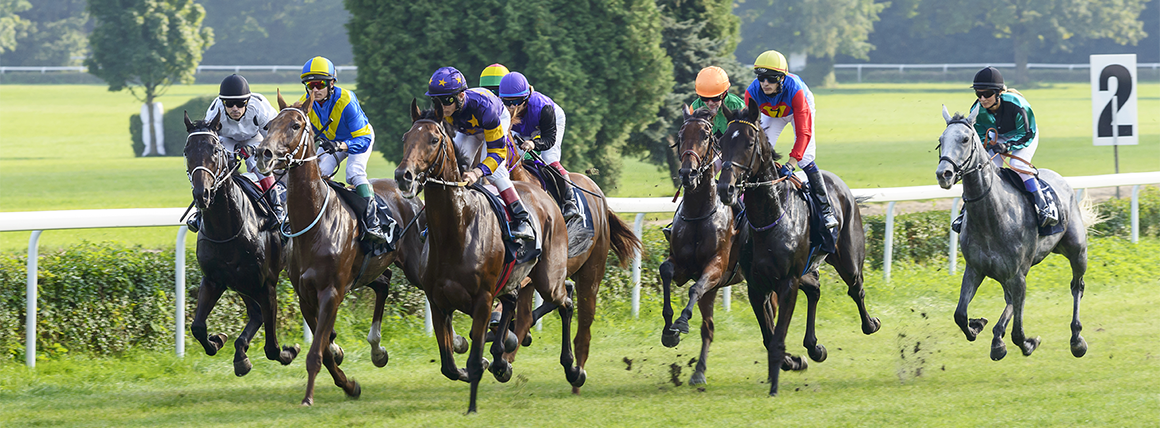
{"x": 704, "y": 244}
{"x": 585, "y": 268}
{"x": 465, "y": 263}
{"x": 326, "y": 260}
{"x": 232, "y": 249}
{"x": 1002, "y": 240}
{"x": 777, "y": 259}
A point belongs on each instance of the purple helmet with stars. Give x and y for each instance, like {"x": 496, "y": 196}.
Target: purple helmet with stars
{"x": 446, "y": 81}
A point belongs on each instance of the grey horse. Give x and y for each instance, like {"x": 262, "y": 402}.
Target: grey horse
{"x": 1000, "y": 239}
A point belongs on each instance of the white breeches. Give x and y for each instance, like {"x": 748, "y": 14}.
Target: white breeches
{"x": 356, "y": 165}
{"x": 473, "y": 146}
{"x": 1025, "y": 153}
{"x": 773, "y": 127}
{"x": 251, "y": 163}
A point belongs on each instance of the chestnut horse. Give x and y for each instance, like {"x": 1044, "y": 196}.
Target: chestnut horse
{"x": 705, "y": 245}
{"x": 465, "y": 262}
{"x": 326, "y": 260}
{"x": 232, "y": 249}
{"x": 777, "y": 257}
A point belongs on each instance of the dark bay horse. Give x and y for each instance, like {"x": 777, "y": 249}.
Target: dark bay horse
{"x": 232, "y": 249}
{"x": 326, "y": 260}
{"x": 776, "y": 258}
{"x": 465, "y": 262}
{"x": 1002, "y": 239}
{"x": 586, "y": 268}
{"x": 704, "y": 245}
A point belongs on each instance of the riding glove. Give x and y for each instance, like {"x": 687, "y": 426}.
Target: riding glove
{"x": 329, "y": 146}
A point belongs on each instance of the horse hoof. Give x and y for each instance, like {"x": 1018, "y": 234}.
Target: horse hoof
{"x": 459, "y": 345}
{"x": 577, "y": 380}
{"x": 288, "y": 354}
{"x": 680, "y": 325}
{"x": 379, "y": 357}
{"x": 527, "y": 341}
{"x": 670, "y": 338}
{"x": 502, "y": 374}
{"x": 974, "y": 326}
{"x": 338, "y": 353}
{"x": 818, "y": 353}
{"x": 355, "y": 391}
{"x": 698, "y": 378}
{"x": 510, "y": 342}
{"x": 218, "y": 341}
{"x": 242, "y": 367}
{"x": 486, "y": 364}
{"x": 1029, "y": 346}
{"x": 794, "y": 363}
{"x": 1078, "y": 347}
{"x": 307, "y": 402}
{"x": 871, "y": 327}
{"x": 998, "y": 350}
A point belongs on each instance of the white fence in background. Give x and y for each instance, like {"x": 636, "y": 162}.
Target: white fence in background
{"x": 38, "y": 221}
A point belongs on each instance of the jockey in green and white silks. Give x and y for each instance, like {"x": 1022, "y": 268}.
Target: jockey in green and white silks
{"x": 343, "y": 131}
{"x": 1006, "y": 124}
{"x": 541, "y": 124}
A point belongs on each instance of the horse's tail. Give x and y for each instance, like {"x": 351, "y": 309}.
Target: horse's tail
{"x": 858, "y": 200}
{"x": 624, "y": 242}
{"x": 1089, "y": 214}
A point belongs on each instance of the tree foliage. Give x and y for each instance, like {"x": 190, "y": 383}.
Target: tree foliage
{"x": 55, "y": 34}
{"x": 821, "y": 29}
{"x": 600, "y": 60}
{"x": 276, "y": 32}
{"x": 12, "y": 26}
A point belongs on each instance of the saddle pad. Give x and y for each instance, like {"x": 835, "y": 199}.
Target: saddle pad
{"x": 1049, "y": 194}
{"x": 580, "y": 229}
{"x": 250, "y": 188}
{"x": 359, "y": 205}
{"x": 520, "y": 251}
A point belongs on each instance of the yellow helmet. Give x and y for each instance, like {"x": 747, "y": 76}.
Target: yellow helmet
{"x": 492, "y": 75}
{"x": 772, "y": 60}
{"x": 712, "y": 81}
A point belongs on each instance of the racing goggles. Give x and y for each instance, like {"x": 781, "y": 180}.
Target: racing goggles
{"x": 237, "y": 103}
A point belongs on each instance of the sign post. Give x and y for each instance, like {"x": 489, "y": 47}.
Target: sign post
{"x": 1113, "y": 79}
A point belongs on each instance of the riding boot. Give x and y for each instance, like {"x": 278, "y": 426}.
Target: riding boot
{"x": 818, "y": 186}
{"x": 194, "y": 221}
{"x": 957, "y": 224}
{"x": 374, "y": 230}
{"x": 521, "y": 226}
{"x": 276, "y": 197}
{"x": 568, "y": 196}
{"x": 1046, "y": 212}
{"x": 668, "y": 231}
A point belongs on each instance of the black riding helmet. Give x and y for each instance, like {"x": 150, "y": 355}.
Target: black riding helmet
{"x": 234, "y": 87}
{"x": 989, "y": 78}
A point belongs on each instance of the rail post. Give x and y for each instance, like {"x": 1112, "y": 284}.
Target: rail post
{"x": 30, "y": 304}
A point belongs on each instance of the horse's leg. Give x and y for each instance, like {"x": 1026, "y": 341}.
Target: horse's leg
{"x": 502, "y": 368}
{"x": 710, "y": 276}
{"x": 849, "y": 267}
{"x": 810, "y": 285}
{"x": 759, "y": 301}
{"x": 441, "y": 323}
{"x": 332, "y": 354}
{"x": 381, "y": 285}
{"x": 998, "y": 348}
{"x": 268, "y": 297}
{"x": 669, "y": 337}
{"x": 587, "y": 289}
{"x": 1018, "y": 336}
{"x": 207, "y": 296}
{"x": 481, "y": 314}
{"x": 242, "y": 363}
{"x": 575, "y": 374}
{"x": 970, "y": 326}
{"x": 1078, "y": 261}
{"x": 522, "y": 321}
{"x": 706, "y": 307}
{"x": 786, "y": 300}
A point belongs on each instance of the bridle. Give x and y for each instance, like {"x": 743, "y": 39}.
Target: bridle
{"x": 711, "y": 150}
{"x": 963, "y": 170}
{"x": 743, "y": 181}
{"x": 225, "y": 165}
{"x": 291, "y": 159}
{"x": 425, "y": 176}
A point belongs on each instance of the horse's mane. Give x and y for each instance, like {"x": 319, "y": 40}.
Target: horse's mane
{"x": 431, "y": 115}
{"x": 202, "y": 126}
{"x": 703, "y": 113}
{"x": 958, "y": 116}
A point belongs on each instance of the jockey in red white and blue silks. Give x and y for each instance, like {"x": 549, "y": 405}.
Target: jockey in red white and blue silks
{"x": 540, "y": 122}
{"x": 479, "y": 119}
{"x": 783, "y": 98}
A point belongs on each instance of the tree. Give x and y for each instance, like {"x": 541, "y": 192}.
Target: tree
{"x": 12, "y": 26}
{"x": 150, "y": 44}
{"x": 821, "y": 29}
{"x": 696, "y": 34}
{"x": 600, "y": 60}
{"x": 1056, "y": 25}
{"x": 55, "y": 34}
{"x": 276, "y": 32}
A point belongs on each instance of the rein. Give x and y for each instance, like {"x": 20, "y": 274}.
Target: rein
{"x": 291, "y": 160}
{"x": 752, "y": 185}
{"x": 224, "y": 169}
{"x": 443, "y": 139}
{"x": 703, "y": 162}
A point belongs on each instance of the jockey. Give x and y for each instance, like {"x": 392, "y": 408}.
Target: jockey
{"x": 1007, "y": 125}
{"x": 784, "y": 98}
{"x": 540, "y": 122}
{"x": 243, "y": 126}
{"x": 480, "y": 119}
{"x": 491, "y": 76}
{"x": 712, "y": 91}
{"x": 343, "y": 131}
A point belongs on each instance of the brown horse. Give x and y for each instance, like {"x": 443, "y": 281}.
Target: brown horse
{"x": 326, "y": 260}
{"x": 465, "y": 262}
{"x": 704, "y": 245}
{"x": 587, "y": 267}
{"x": 232, "y": 249}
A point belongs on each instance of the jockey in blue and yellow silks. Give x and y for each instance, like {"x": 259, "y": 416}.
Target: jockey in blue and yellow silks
{"x": 783, "y": 98}
{"x": 343, "y": 131}
{"x": 479, "y": 119}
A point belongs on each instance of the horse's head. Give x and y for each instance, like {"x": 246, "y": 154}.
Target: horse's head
{"x": 745, "y": 152}
{"x": 289, "y": 139}
{"x": 207, "y": 163}
{"x": 696, "y": 144}
{"x": 960, "y": 151}
{"x": 427, "y": 151}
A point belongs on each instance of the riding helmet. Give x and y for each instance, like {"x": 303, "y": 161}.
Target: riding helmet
{"x": 446, "y": 81}
{"x": 514, "y": 85}
{"x": 712, "y": 81}
{"x": 318, "y": 68}
{"x": 770, "y": 61}
{"x": 491, "y": 75}
{"x": 234, "y": 87}
{"x": 989, "y": 78}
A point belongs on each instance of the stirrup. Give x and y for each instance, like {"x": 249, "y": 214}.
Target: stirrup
{"x": 957, "y": 224}
{"x": 569, "y": 210}
{"x": 829, "y": 220}
{"x": 668, "y": 231}
{"x": 193, "y": 222}
{"x": 1047, "y": 217}
{"x": 524, "y": 232}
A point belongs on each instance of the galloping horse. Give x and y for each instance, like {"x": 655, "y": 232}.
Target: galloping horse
{"x": 232, "y": 249}
{"x": 325, "y": 260}
{"x": 704, "y": 245}
{"x": 1002, "y": 240}
{"x": 777, "y": 256}
{"x": 585, "y": 268}
{"x": 465, "y": 263}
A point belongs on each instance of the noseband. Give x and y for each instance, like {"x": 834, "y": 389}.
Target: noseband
{"x": 703, "y": 162}
{"x": 753, "y": 155}
{"x": 425, "y": 177}
{"x": 291, "y": 159}
{"x": 964, "y": 169}
{"x": 221, "y": 161}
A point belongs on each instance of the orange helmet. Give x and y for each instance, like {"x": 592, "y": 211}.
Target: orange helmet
{"x": 712, "y": 81}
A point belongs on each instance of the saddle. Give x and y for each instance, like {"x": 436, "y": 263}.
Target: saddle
{"x": 249, "y": 187}
{"x": 359, "y": 205}
{"x": 518, "y": 251}
{"x": 580, "y": 229}
{"x": 1010, "y": 176}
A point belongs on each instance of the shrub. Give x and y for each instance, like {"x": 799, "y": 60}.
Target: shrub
{"x": 174, "y": 122}
{"x": 1118, "y": 214}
